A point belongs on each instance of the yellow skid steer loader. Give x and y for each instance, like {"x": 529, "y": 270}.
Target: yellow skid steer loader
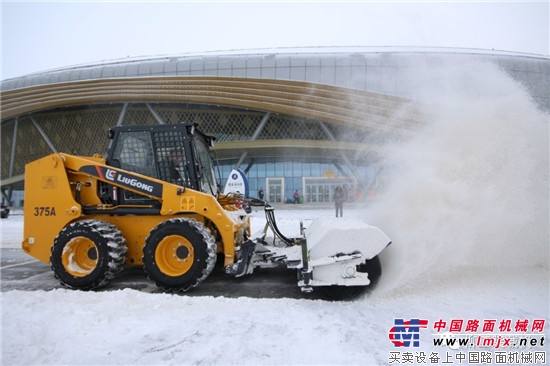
{"x": 154, "y": 202}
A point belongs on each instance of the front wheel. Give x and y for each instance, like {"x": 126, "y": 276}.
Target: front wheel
{"x": 87, "y": 254}
{"x": 179, "y": 254}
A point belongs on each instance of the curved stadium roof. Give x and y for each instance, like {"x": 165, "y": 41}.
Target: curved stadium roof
{"x": 291, "y": 102}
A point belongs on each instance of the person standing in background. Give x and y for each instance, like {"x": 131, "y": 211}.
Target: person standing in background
{"x": 339, "y": 201}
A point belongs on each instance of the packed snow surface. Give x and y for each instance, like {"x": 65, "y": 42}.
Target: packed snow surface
{"x": 464, "y": 201}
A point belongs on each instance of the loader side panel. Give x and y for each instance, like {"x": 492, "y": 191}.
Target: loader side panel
{"x": 49, "y": 205}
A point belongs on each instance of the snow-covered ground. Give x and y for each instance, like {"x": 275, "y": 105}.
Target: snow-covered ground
{"x": 131, "y": 327}
{"x": 465, "y": 202}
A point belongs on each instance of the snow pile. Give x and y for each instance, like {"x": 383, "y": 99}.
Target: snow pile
{"x": 129, "y": 327}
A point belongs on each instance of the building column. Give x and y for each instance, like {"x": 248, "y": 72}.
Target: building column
{"x": 254, "y": 137}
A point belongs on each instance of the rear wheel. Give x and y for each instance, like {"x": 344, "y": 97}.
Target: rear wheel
{"x": 371, "y": 266}
{"x": 87, "y": 254}
{"x": 179, "y": 254}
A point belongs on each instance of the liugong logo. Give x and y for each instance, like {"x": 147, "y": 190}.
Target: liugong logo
{"x": 111, "y": 174}
{"x": 405, "y": 332}
{"x": 115, "y": 176}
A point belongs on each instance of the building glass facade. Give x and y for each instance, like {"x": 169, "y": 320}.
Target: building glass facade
{"x": 314, "y": 181}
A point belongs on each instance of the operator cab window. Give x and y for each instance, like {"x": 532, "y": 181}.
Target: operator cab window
{"x": 134, "y": 152}
{"x": 170, "y": 152}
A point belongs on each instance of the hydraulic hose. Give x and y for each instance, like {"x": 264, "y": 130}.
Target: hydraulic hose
{"x": 270, "y": 217}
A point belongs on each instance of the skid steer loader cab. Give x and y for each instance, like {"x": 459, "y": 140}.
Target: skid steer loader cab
{"x": 177, "y": 154}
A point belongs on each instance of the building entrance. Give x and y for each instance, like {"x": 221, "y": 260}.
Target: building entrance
{"x": 320, "y": 190}
{"x": 275, "y": 189}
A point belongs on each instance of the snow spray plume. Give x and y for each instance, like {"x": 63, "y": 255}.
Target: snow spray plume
{"x": 470, "y": 190}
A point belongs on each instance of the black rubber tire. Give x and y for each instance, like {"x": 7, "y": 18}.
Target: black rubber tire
{"x": 343, "y": 293}
{"x": 87, "y": 254}
{"x": 179, "y": 254}
{"x": 373, "y": 268}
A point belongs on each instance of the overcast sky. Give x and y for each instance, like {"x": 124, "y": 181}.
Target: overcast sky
{"x": 38, "y": 36}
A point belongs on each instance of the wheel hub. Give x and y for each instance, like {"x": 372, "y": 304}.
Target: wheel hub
{"x": 174, "y": 255}
{"x": 182, "y": 252}
{"x": 80, "y": 256}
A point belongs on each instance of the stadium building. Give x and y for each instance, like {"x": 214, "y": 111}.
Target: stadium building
{"x": 306, "y": 119}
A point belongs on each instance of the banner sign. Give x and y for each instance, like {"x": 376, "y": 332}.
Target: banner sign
{"x": 236, "y": 183}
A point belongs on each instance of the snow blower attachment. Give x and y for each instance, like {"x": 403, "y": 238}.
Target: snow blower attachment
{"x": 154, "y": 202}
{"x": 338, "y": 256}
{"x": 340, "y": 264}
